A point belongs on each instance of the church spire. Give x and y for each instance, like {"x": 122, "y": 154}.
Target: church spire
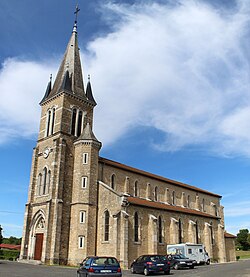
{"x": 69, "y": 77}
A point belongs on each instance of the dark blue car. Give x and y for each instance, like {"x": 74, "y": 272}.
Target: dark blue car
{"x": 148, "y": 264}
{"x": 99, "y": 266}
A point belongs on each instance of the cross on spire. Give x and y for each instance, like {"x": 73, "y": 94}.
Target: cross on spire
{"x": 76, "y": 12}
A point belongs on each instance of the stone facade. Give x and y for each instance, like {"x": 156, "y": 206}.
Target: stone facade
{"x": 81, "y": 204}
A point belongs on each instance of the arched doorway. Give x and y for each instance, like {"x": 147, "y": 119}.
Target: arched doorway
{"x": 37, "y": 236}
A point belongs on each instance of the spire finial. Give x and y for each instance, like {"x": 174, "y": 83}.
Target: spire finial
{"x": 50, "y": 77}
{"x": 76, "y": 13}
{"x": 89, "y": 77}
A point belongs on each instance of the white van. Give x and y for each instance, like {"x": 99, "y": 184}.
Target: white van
{"x": 190, "y": 250}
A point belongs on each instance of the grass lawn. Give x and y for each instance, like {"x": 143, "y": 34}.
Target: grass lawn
{"x": 243, "y": 254}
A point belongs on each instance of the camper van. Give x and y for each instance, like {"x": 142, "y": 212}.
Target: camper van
{"x": 190, "y": 250}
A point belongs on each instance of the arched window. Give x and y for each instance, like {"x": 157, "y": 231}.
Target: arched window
{"x": 73, "y": 122}
{"x": 48, "y": 182}
{"x": 211, "y": 233}
{"x": 148, "y": 193}
{"x": 53, "y": 121}
{"x": 156, "y": 194}
{"x": 136, "y": 189}
{"x": 197, "y": 232}
{"x": 79, "y": 127}
{"x": 188, "y": 201}
{"x": 48, "y": 123}
{"x": 106, "y": 226}
{"x": 160, "y": 229}
{"x": 180, "y": 231}
{"x": 44, "y": 180}
{"x": 203, "y": 205}
{"x": 136, "y": 227}
{"x": 112, "y": 181}
{"x": 173, "y": 198}
{"x": 39, "y": 190}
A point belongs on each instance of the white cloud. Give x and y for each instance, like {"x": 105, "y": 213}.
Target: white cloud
{"x": 182, "y": 69}
{"x": 22, "y": 84}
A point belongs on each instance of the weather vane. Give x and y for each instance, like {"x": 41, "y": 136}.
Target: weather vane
{"x": 76, "y": 12}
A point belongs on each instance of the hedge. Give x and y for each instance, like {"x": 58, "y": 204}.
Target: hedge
{"x": 10, "y": 255}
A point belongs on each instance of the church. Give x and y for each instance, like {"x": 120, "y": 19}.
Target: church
{"x": 81, "y": 204}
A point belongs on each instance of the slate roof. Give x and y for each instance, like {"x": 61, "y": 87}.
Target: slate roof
{"x": 162, "y": 206}
{"x": 154, "y": 176}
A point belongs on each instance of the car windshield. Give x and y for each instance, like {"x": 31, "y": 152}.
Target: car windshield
{"x": 104, "y": 261}
{"x": 181, "y": 256}
{"x": 157, "y": 258}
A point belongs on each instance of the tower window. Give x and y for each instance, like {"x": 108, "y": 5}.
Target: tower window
{"x": 106, "y": 226}
{"x": 85, "y": 157}
{"x": 44, "y": 180}
{"x": 73, "y": 122}
{"x": 81, "y": 240}
{"x": 188, "y": 201}
{"x": 50, "y": 122}
{"x": 76, "y": 122}
{"x": 82, "y": 216}
{"x": 84, "y": 182}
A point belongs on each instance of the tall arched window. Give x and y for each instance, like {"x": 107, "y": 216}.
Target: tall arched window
{"x": 180, "y": 231}
{"x": 136, "y": 189}
{"x": 79, "y": 123}
{"x": 112, "y": 181}
{"x": 188, "y": 201}
{"x": 148, "y": 192}
{"x": 160, "y": 229}
{"x": 39, "y": 190}
{"x": 73, "y": 122}
{"x": 53, "y": 121}
{"x": 136, "y": 227}
{"x": 173, "y": 198}
{"x": 48, "y": 122}
{"x": 48, "y": 182}
{"x": 197, "y": 232}
{"x": 44, "y": 180}
{"x": 211, "y": 233}
{"x": 203, "y": 205}
{"x": 106, "y": 226}
{"x": 156, "y": 194}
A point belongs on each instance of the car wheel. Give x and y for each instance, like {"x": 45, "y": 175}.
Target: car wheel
{"x": 176, "y": 266}
{"x": 146, "y": 272}
{"x": 208, "y": 262}
{"x": 132, "y": 269}
{"x": 192, "y": 266}
{"x": 167, "y": 272}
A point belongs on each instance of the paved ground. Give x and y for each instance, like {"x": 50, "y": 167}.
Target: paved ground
{"x": 15, "y": 269}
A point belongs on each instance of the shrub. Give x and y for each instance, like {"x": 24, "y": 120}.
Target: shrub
{"x": 237, "y": 258}
{"x": 10, "y": 255}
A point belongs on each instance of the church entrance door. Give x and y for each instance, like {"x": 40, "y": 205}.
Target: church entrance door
{"x": 38, "y": 247}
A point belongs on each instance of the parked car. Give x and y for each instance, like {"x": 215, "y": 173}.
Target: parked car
{"x": 180, "y": 261}
{"x": 99, "y": 266}
{"x": 148, "y": 264}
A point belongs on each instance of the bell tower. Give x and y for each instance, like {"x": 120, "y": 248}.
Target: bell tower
{"x": 66, "y": 120}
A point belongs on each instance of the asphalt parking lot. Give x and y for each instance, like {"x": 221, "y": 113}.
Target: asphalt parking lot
{"x": 16, "y": 269}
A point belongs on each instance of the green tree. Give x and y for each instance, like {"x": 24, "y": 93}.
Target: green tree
{"x": 12, "y": 240}
{"x": 1, "y": 236}
{"x": 243, "y": 239}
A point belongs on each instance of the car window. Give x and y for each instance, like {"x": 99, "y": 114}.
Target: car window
{"x": 86, "y": 262}
{"x": 139, "y": 259}
{"x": 105, "y": 261}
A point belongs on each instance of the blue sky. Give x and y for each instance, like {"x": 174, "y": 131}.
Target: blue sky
{"x": 171, "y": 79}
